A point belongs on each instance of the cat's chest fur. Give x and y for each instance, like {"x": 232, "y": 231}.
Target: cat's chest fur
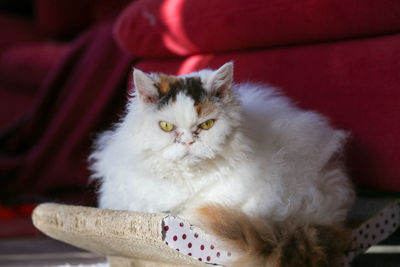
{"x": 175, "y": 186}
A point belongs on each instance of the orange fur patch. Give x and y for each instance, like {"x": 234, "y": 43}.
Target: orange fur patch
{"x": 266, "y": 243}
{"x": 165, "y": 82}
{"x": 205, "y": 108}
{"x": 198, "y": 108}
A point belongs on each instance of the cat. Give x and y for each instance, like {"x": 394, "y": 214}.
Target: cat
{"x": 240, "y": 160}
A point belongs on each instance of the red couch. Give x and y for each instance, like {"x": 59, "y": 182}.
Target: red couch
{"x": 338, "y": 57}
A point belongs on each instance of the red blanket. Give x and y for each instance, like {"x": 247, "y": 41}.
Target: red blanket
{"x": 47, "y": 149}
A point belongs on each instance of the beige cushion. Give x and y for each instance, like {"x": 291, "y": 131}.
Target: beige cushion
{"x": 123, "y": 234}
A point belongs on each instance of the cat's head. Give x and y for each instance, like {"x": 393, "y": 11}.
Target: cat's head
{"x": 186, "y": 118}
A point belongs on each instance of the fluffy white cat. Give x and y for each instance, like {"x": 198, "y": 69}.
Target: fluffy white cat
{"x": 222, "y": 154}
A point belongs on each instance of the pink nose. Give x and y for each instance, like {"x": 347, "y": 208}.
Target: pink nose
{"x": 187, "y": 143}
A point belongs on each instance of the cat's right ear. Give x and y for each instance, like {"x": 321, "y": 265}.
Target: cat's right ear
{"x": 145, "y": 88}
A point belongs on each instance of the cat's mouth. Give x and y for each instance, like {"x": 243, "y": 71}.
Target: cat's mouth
{"x": 187, "y": 154}
{"x": 189, "y": 157}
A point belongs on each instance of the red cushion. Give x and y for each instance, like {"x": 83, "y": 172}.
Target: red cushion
{"x": 355, "y": 83}
{"x": 32, "y": 60}
{"x": 62, "y": 18}
{"x": 14, "y": 104}
{"x": 65, "y": 18}
{"x": 158, "y": 28}
{"x": 103, "y": 9}
{"x": 24, "y": 68}
{"x": 14, "y": 30}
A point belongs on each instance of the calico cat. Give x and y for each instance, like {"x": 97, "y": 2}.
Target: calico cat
{"x": 239, "y": 160}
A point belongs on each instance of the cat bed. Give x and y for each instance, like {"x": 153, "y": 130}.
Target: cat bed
{"x": 140, "y": 239}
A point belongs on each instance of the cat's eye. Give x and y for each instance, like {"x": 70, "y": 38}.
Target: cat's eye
{"x": 207, "y": 124}
{"x": 166, "y": 126}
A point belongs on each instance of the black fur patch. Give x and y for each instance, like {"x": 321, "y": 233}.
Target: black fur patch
{"x": 191, "y": 86}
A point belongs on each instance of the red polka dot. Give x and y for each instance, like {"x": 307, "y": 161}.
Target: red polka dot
{"x": 218, "y": 254}
{"x": 196, "y": 235}
{"x": 181, "y": 224}
{"x": 166, "y": 228}
{"x": 202, "y": 247}
{"x": 200, "y": 259}
{"x": 175, "y": 238}
{"x": 189, "y": 245}
{"x": 190, "y": 254}
{"x": 183, "y": 236}
{"x": 208, "y": 258}
{"x": 177, "y": 249}
{"x": 212, "y": 246}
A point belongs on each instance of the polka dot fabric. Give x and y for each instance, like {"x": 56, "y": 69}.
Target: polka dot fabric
{"x": 191, "y": 241}
{"x": 374, "y": 230}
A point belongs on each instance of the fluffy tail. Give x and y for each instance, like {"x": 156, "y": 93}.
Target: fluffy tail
{"x": 273, "y": 244}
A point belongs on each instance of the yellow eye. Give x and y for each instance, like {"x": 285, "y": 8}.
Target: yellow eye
{"x": 207, "y": 124}
{"x": 166, "y": 126}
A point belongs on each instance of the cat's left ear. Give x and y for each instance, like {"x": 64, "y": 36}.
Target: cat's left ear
{"x": 221, "y": 81}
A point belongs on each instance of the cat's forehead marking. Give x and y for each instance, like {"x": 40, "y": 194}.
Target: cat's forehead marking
{"x": 165, "y": 81}
{"x": 169, "y": 87}
{"x": 205, "y": 108}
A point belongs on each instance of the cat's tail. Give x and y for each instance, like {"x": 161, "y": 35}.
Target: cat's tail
{"x": 273, "y": 244}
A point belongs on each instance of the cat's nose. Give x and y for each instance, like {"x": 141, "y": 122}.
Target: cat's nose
{"x": 187, "y": 143}
{"x": 186, "y": 139}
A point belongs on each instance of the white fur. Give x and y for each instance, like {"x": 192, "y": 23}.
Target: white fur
{"x": 264, "y": 156}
